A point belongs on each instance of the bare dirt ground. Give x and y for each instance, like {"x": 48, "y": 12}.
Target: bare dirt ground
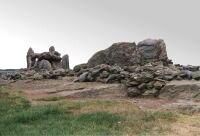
{"x": 66, "y": 88}
{"x": 35, "y": 90}
{"x": 41, "y": 90}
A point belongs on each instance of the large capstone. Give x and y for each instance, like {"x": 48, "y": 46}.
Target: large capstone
{"x": 120, "y": 54}
{"x": 129, "y": 54}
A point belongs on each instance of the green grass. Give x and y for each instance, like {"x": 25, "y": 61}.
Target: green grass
{"x": 89, "y": 117}
{"x": 11, "y": 103}
{"x": 18, "y": 118}
{"x": 51, "y": 98}
{"x": 153, "y": 116}
{"x": 50, "y": 120}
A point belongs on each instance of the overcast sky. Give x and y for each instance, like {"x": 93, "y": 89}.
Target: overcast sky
{"x": 82, "y": 27}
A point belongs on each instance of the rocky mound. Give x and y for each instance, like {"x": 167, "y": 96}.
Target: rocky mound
{"x": 128, "y": 54}
{"x": 24, "y": 74}
{"x": 144, "y": 69}
{"x": 138, "y": 80}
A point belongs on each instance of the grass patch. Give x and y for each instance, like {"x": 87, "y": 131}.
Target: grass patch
{"x": 20, "y": 119}
{"x": 51, "y": 120}
{"x": 86, "y": 117}
{"x": 149, "y": 122}
{"x": 153, "y": 116}
{"x": 11, "y": 102}
{"x": 193, "y": 120}
{"x": 188, "y": 109}
{"x": 36, "y": 113}
{"x": 112, "y": 106}
{"x": 137, "y": 122}
{"x": 51, "y": 98}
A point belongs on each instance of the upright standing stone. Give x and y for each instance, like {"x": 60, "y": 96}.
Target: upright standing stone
{"x": 65, "y": 62}
{"x": 30, "y": 58}
{"x": 56, "y": 63}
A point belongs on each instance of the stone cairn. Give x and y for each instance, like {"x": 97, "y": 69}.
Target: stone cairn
{"x": 143, "y": 69}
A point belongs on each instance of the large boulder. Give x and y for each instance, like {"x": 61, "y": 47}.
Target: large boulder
{"x": 79, "y": 67}
{"x": 151, "y": 50}
{"x": 133, "y": 92}
{"x": 120, "y": 54}
{"x": 129, "y": 54}
{"x": 44, "y": 65}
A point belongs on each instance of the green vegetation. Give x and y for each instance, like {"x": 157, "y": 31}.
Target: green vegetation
{"x": 19, "y": 118}
{"x": 51, "y": 98}
{"x": 10, "y": 103}
{"x": 88, "y": 117}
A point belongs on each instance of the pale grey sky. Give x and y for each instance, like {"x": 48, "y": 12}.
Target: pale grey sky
{"x": 82, "y": 27}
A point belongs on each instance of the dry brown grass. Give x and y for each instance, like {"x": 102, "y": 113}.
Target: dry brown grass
{"x": 137, "y": 121}
{"x": 187, "y": 125}
{"x": 111, "y": 106}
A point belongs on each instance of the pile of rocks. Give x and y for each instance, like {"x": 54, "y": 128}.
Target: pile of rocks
{"x": 143, "y": 68}
{"x": 9, "y": 74}
{"x": 137, "y": 79}
{"x": 101, "y": 73}
{"x": 24, "y": 74}
{"x": 148, "y": 79}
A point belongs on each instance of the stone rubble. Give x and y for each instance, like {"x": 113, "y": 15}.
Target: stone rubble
{"x": 143, "y": 69}
{"x": 137, "y": 80}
